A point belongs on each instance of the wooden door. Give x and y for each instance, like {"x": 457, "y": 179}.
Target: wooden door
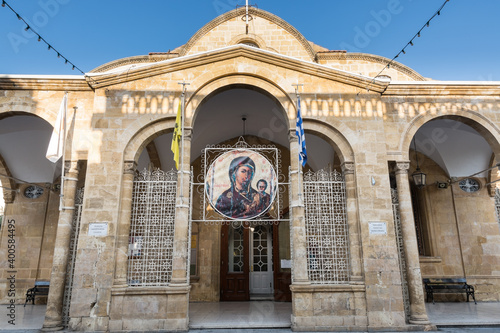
{"x": 234, "y": 283}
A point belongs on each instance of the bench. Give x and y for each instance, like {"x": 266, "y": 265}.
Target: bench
{"x": 457, "y": 285}
{"x": 41, "y": 288}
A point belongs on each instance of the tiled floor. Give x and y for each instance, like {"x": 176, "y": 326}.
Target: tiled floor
{"x": 258, "y": 314}
{"x": 26, "y": 318}
{"x": 463, "y": 313}
{"x": 253, "y": 314}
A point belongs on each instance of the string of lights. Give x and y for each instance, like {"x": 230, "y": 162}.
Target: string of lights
{"x": 410, "y": 43}
{"x": 41, "y": 39}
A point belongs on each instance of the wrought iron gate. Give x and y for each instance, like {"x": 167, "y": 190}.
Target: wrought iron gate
{"x": 152, "y": 228}
{"x": 326, "y": 227}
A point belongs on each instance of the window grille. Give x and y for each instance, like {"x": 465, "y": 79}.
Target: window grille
{"x": 152, "y": 228}
{"x": 401, "y": 251}
{"x": 70, "y": 268}
{"x": 326, "y": 227}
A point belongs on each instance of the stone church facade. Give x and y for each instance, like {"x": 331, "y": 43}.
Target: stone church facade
{"x": 347, "y": 239}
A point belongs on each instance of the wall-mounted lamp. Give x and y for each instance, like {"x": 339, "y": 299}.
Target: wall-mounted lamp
{"x": 418, "y": 176}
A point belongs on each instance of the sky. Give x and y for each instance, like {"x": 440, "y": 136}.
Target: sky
{"x": 460, "y": 44}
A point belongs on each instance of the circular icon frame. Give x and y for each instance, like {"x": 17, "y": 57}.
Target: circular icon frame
{"x": 241, "y": 184}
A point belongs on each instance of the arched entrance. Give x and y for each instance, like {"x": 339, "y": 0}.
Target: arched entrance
{"x": 240, "y": 248}
{"x": 456, "y": 204}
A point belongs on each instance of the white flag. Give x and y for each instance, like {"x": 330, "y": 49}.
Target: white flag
{"x": 56, "y": 144}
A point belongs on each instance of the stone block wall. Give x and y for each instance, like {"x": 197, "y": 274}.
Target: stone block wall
{"x": 329, "y": 308}
{"x": 148, "y": 309}
{"x": 35, "y": 229}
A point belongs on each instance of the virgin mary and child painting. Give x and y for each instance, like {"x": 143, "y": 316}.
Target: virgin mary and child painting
{"x": 241, "y": 184}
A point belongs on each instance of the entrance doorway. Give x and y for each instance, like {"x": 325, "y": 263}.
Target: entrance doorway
{"x": 261, "y": 270}
{"x": 251, "y": 268}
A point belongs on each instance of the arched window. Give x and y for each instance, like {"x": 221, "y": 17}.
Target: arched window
{"x": 249, "y": 43}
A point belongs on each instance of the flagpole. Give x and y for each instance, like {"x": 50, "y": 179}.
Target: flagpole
{"x": 183, "y": 97}
{"x": 63, "y": 174}
{"x": 246, "y": 17}
{"x": 299, "y": 166}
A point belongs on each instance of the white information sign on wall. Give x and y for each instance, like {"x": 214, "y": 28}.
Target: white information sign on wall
{"x": 286, "y": 263}
{"x": 98, "y": 229}
{"x": 377, "y": 228}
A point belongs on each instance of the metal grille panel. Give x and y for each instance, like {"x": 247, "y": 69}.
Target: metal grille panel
{"x": 326, "y": 227}
{"x": 401, "y": 252}
{"x": 70, "y": 268}
{"x": 152, "y": 228}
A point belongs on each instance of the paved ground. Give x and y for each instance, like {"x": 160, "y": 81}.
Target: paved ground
{"x": 444, "y": 330}
{"x": 457, "y": 317}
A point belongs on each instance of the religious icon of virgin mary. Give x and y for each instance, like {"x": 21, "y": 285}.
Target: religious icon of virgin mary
{"x": 234, "y": 194}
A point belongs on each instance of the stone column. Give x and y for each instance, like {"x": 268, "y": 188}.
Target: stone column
{"x": 298, "y": 223}
{"x": 53, "y": 314}
{"x": 123, "y": 232}
{"x": 181, "y": 234}
{"x": 353, "y": 221}
{"x": 418, "y": 314}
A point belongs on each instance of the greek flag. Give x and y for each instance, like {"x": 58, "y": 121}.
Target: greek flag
{"x": 299, "y": 131}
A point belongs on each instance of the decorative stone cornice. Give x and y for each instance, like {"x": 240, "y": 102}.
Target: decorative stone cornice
{"x": 233, "y": 52}
{"x": 348, "y": 168}
{"x": 252, "y": 11}
{"x": 444, "y": 89}
{"x": 169, "y": 290}
{"x": 142, "y": 59}
{"x": 319, "y": 288}
{"x": 339, "y": 55}
{"x": 401, "y": 167}
{"x": 38, "y": 82}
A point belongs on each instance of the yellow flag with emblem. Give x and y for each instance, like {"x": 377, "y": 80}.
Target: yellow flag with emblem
{"x": 176, "y": 138}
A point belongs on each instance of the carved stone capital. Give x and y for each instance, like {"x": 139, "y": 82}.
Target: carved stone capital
{"x": 348, "y": 168}
{"x": 188, "y": 133}
{"x": 402, "y": 167}
{"x": 9, "y": 196}
{"x": 71, "y": 167}
{"x": 292, "y": 137}
{"x": 129, "y": 167}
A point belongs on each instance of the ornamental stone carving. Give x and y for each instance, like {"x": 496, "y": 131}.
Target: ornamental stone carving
{"x": 402, "y": 167}
{"x": 348, "y": 168}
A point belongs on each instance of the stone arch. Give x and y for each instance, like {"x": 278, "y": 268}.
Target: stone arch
{"x": 24, "y": 107}
{"x": 27, "y": 107}
{"x": 8, "y": 195}
{"x": 333, "y": 136}
{"x": 225, "y": 81}
{"x": 252, "y": 11}
{"x": 489, "y": 131}
{"x": 143, "y": 135}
